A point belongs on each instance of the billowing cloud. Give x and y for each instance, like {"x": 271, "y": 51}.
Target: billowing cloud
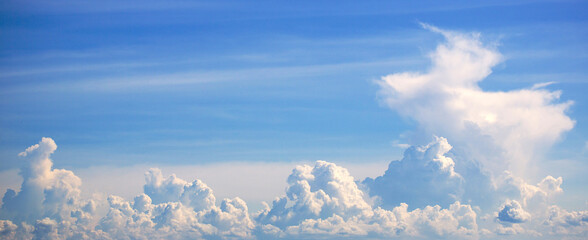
{"x": 325, "y": 200}
{"x": 45, "y": 192}
{"x": 48, "y": 206}
{"x": 7, "y": 229}
{"x": 502, "y": 129}
{"x": 543, "y": 222}
{"x": 418, "y": 179}
{"x": 172, "y": 208}
{"x": 196, "y": 194}
{"x": 513, "y": 212}
{"x": 566, "y": 222}
{"x": 425, "y": 176}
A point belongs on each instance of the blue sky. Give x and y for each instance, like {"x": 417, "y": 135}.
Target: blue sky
{"x": 270, "y": 82}
{"x": 153, "y": 83}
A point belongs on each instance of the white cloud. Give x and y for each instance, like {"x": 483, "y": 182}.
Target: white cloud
{"x": 567, "y": 223}
{"x": 425, "y": 176}
{"x": 513, "y": 212}
{"x": 321, "y": 201}
{"x": 420, "y": 180}
{"x": 316, "y": 192}
{"x": 176, "y": 209}
{"x": 542, "y": 85}
{"x": 447, "y": 101}
{"x": 268, "y": 178}
{"x": 532, "y": 196}
{"x": 7, "y": 229}
{"x": 196, "y": 194}
{"x": 325, "y": 200}
{"x": 45, "y": 192}
{"x": 171, "y": 208}
{"x": 46, "y": 229}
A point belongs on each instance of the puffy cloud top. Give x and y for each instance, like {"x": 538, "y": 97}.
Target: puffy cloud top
{"x": 324, "y": 200}
{"x": 513, "y": 212}
{"x": 173, "y": 208}
{"x": 317, "y": 192}
{"x": 425, "y": 176}
{"x": 564, "y": 222}
{"x": 45, "y": 192}
{"x": 162, "y": 190}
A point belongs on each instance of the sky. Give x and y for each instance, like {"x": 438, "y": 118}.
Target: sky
{"x": 306, "y": 119}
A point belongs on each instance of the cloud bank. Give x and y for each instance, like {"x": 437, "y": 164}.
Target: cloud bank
{"x": 321, "y": 201}
{"x": 468, "y": 183}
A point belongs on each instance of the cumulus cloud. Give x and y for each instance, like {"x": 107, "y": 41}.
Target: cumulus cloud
{"x": 513, "y": 212}
{"x": 45, "y": 192}
{"x": 420, "y": 179}
{"x": 506, "y": 204}
{"x": 316, "y": 192}
{"x": 551, "y": 221}
{"x": 172, "y": 208}
{"x": 534, "y": 196}
{"x": 447, "y": 101}
{"x": 324, "y": 200}
{"x": 7, "y": 229}
{"x": 172, "y": 189}
{"x": 48, "y": 206}
{"x": 425, "y": 176}
{"x": 566, "y": 222}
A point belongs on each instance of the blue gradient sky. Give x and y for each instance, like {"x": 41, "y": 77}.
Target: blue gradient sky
{"x": 148, "y": 82}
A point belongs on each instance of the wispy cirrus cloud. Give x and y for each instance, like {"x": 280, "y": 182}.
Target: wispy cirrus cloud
{"x": 256, "y": 75}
